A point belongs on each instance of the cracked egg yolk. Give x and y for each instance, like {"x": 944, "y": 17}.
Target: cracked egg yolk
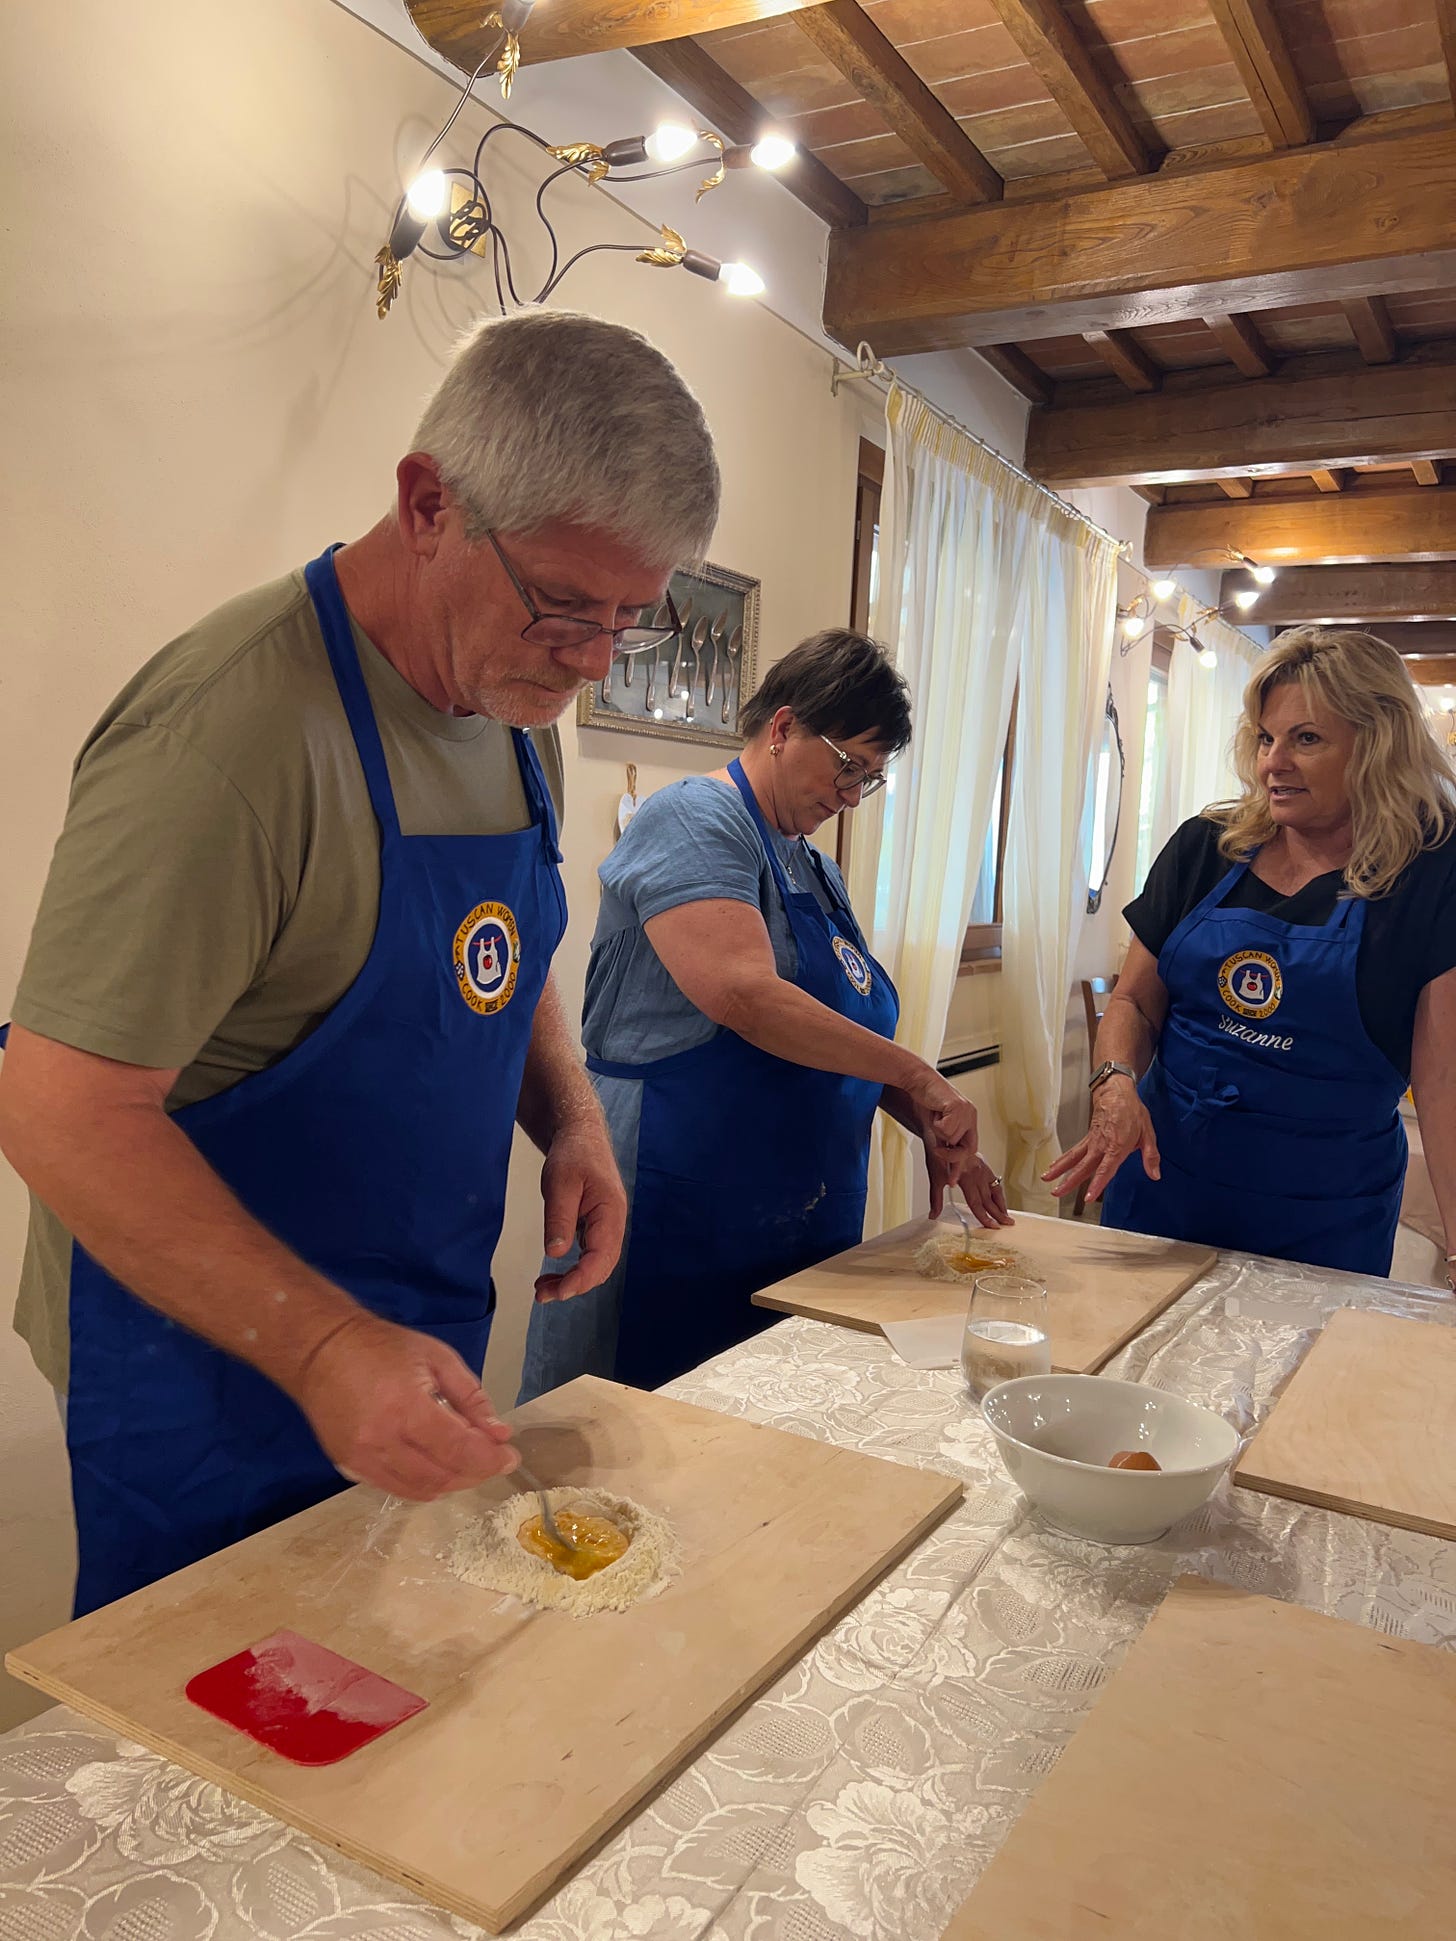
{"x": 598, "y": 1543}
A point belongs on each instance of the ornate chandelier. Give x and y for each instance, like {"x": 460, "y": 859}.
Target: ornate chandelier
{"x": 447, "y": 214}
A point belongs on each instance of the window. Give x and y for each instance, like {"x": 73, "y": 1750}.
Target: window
{"x": 981, "y": 949}
{"x": 1155, "y": 744}
{"x": 863, "y": 585}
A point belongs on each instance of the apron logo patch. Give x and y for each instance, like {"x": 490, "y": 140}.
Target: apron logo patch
{"x": 487, "y": 954}
{"x": 1250, "y": 983}
{"x": 852, "y": 963}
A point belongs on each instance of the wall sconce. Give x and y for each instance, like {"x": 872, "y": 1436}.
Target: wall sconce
{"x": 447, "y": 213}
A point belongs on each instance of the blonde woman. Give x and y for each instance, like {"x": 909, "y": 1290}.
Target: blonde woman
{"x": 1292, "y": 969}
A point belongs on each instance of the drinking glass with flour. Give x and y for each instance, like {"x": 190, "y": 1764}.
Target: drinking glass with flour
{"x": 1006, "y": 1331}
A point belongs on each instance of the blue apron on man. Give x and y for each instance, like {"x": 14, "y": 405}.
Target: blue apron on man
{"x": 377, "y": 1150}
{"x": 1277, "y": 1118}
{"x": 748, "y": 1166}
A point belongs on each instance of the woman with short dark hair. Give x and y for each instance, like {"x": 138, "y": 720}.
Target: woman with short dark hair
{"x": 741, "y": 1036}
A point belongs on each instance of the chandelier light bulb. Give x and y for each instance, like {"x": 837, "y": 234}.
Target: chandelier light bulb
{"x": 428, "y": 194}
{"x": 1207, "y": 657}
{"x": 1133, "y": 625}
{"x": 670, "y": 142}
{"x": 1245, "y": 598}
{"x": 1263, "y": 574}
{"x": 1163, "y": 589}
{"x": 772, "y": 152}
{"x": 740, "y": 281}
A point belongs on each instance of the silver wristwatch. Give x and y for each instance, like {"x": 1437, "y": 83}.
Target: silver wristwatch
{"x": 1105, "y": 1071}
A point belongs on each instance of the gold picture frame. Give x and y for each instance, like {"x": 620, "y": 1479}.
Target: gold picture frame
{"x": 691, "y": 688}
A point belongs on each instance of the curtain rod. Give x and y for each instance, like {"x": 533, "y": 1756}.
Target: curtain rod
{"x": 869, "y": 368}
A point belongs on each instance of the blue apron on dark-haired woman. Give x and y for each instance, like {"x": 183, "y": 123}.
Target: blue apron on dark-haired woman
{"x": 741, "y": 1035}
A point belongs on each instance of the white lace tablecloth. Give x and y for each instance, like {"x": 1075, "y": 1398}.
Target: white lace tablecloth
{"x": 864, "y": 1792}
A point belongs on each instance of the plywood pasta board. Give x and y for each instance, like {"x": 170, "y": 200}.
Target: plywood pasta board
{"x": 1252, "y": 1769}
{"x": 1365, "y": 1425}
{"x": 1103, "y": 1285}
{"x": 542, "y": 1730}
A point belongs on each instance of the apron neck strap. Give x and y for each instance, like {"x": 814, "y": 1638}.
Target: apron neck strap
{"x": 770, "y": 848}
{"x": 323, "y": 587}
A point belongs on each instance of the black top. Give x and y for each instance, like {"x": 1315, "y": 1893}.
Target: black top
{"x": 1409, "y": 937}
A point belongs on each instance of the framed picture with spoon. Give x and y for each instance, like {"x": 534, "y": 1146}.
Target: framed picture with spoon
{"x": 685, "y": 686}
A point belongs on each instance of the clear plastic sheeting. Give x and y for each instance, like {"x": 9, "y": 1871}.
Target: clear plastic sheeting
{"x": 862, "y": 1794}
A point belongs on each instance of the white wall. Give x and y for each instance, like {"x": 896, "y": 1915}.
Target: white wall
{"x": 199, "y": 396}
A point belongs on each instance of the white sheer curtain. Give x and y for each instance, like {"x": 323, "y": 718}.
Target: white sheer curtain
{"x": 1065, "y": 630}
{"x": 1203, "y": 711}
{"x": 954, "y": 536}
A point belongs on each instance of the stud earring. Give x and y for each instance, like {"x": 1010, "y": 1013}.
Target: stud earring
{"x": 773, "y": 747}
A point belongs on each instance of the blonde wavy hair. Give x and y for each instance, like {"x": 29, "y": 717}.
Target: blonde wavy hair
{"x": 1401, "y": 785}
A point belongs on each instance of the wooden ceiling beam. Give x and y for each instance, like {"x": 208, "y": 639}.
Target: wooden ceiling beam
{"x": 1446, "y": 21}
{"x": 1236, "y": 488}
{"x": 1427, "y": 471}
{"x": 1065, "y": 67}
{"x": 727, "y": 106}
{"x": 1261, "y": 54}
{"x": 1238, "y": 338}
{"x": 1350, "y": 596}
{"x": 1416, "y": 638}
{"x": 1012, "y": 363}
{"x": 844, "y": 33}
{"x": 1328, "y": 481}
{"x": 1415, "y": 523}
{"x": 1370, "y": 321}
{"x": 458, "y": 29}
{"x": 1276, "y": 426}
{"x": 1125, "y": 357}
{"x": 1304, "y": 225}
{"x": 1440, "y": 671}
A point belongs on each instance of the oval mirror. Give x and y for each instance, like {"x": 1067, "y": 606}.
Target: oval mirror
{"x": 1108, "y": 770}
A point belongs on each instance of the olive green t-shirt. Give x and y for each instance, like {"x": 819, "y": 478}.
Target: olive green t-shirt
{"x": 215, "y": 886}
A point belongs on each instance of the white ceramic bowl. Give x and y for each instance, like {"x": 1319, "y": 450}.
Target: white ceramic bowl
{"x": 1056, "y": 1434}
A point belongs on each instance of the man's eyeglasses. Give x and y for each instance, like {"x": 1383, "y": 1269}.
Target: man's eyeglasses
{"x": 854, "y": 775}
{"x": 575, "y": 630}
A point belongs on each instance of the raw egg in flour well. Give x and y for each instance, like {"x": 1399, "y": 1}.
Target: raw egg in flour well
{"x": 598, "y": 1543}
{"x": 973, "y": 1261}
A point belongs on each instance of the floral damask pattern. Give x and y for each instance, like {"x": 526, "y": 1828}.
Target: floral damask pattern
{"x": 862, "y": 1794}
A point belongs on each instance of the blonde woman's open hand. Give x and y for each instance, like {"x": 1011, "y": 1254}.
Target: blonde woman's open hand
{"x": 1120, "y": 1125}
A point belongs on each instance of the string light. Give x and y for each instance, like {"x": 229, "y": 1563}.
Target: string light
{"x": 1163, "y": 589}
{"x": 1245, "y": 597}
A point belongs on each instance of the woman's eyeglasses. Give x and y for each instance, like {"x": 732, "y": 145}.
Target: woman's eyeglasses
{"x": 573, "y": 630}
{"x": 854, "y": 775}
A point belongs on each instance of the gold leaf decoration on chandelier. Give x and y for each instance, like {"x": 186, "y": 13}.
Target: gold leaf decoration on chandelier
{"x": 711, "y": 181}
{"x": 508, "y": 66}
{"x": 668, "y": 253}
{"x": 575, "y": 153}
{"x": 390, "y": 280}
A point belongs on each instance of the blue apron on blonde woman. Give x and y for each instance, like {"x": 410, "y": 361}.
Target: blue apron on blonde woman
{"x": 741, "y": 1034}
{"x": 1292, "y": 970}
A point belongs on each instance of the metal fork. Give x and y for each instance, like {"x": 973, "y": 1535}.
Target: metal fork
{"x": 549, "y": 1524}
{"x": 523, "y": 1476}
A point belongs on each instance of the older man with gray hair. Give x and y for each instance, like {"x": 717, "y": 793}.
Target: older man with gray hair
{"x": 289, "y": 989}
